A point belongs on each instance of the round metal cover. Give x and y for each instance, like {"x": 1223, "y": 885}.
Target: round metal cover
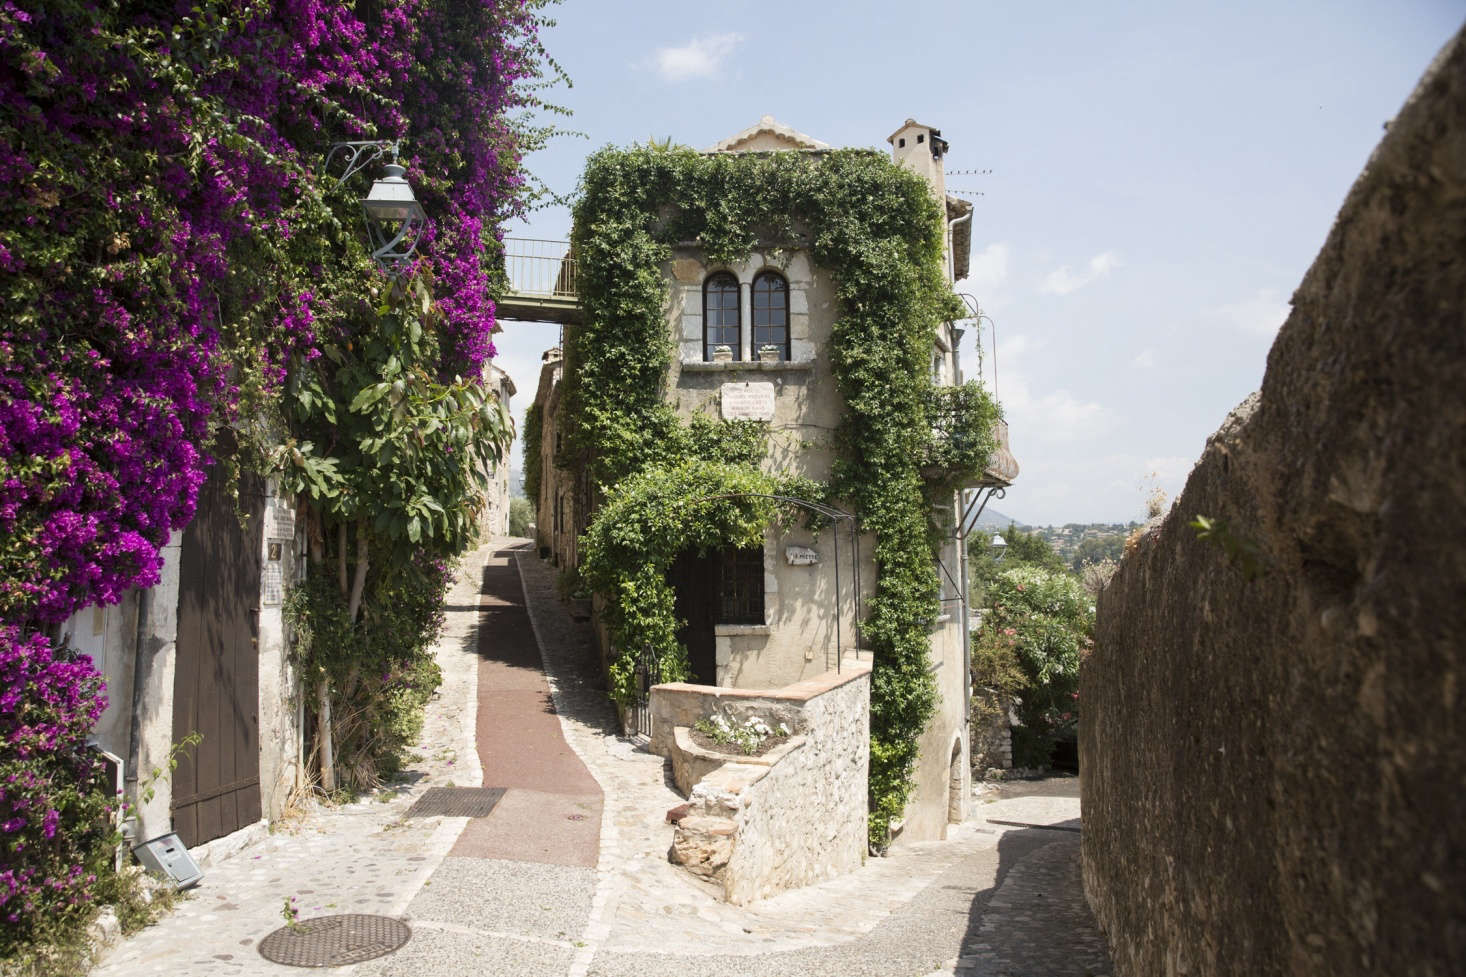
{"x": 332, "y": 941}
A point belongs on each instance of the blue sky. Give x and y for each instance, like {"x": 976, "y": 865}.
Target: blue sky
{"x": 1160, "y": 176}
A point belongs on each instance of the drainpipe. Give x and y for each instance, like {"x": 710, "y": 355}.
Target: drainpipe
{"x": 951, "y": 249}
{"x": 966, "y": 612}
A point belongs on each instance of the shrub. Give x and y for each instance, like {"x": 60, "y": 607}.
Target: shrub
{"x": 381, "y": 667}
{"x": 1041, "y": 622}
{"x": 54, "y": 813}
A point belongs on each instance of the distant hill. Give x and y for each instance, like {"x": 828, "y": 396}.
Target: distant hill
{"x": 993, "y": 519}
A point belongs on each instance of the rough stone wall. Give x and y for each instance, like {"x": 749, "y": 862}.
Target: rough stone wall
{"x": 778, "y": 822}
{"x": 991, "y": 732}
{"x": 1272, "y": 751}
{"x": 804, "y": 821}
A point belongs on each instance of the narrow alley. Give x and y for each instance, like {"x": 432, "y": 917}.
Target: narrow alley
{"x": 562, "y": 868}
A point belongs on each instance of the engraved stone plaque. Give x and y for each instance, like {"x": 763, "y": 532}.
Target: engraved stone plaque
{"x": 273, "y": 585}
{"x": 748, "y": 401}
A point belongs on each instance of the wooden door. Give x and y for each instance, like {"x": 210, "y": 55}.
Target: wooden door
{"x": 216, "y": 788}
{"x": 695, "y": 578}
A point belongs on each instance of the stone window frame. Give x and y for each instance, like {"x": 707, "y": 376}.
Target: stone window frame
{"x": 785, "y": 346}
{"x": 723, "y": 277}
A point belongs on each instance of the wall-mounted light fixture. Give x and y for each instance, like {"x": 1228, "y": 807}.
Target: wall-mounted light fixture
{"x": 394, "y": 218}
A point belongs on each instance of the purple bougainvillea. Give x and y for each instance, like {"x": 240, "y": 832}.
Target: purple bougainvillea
{"x": 169, "y": 249}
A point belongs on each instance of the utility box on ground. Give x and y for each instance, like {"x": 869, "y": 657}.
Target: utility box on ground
{"x": 166, "y": 855}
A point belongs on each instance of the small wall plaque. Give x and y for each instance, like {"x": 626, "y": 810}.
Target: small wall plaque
{"x": 272, "y": 585}
{"x": 801, "y": 556}
{"x": 748, "y": 401}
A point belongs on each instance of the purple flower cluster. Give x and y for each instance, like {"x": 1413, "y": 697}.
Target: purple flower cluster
{"x": 155, "y": 180}
{"x": 169, "y": 254}
{"x": 50, "y": 814}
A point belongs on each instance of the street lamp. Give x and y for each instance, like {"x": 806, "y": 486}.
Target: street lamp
{"x": 394, "y": 218}
{"x": 1000, "y": 547}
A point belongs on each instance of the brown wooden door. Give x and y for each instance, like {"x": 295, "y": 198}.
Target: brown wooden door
{"x": 216, "y": 788}
{"x": 695, "y": 578}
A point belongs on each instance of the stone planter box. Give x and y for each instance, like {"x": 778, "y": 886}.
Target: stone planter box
{"x": 757, "y": 826}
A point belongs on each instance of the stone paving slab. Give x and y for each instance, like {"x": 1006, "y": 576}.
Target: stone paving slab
{"x": 1034, "y": 925}
{"x": 526, "y": 899}
{"x": 534, "y": 826}
{"x": 436, "y": 951}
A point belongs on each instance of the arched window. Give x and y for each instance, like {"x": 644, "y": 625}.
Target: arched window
{"x": 720, "y": 315}
{"x": 771, "y": 313}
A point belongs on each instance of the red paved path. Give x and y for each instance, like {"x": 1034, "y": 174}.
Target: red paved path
{"x": 551, "y": 811}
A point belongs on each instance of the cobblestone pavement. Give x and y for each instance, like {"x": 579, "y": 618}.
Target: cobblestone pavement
{"x": 359, "y": 858}
{"x": 994, "y": 899}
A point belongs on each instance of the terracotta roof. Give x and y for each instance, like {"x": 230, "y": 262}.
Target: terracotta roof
{"x": 767, "y": 126}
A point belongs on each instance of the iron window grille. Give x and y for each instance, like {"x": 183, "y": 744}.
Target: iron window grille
{"x": 741, "y": 586}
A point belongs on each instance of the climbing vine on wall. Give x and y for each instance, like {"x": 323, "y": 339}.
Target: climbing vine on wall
{"x": 878, "y": 231}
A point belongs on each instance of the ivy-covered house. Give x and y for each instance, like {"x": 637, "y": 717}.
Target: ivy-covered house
{"x": 755, "y": 447}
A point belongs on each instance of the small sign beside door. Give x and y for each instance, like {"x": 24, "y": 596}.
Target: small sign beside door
{"x": 801, "y": 556}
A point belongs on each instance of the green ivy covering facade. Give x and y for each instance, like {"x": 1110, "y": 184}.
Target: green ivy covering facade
{"x": 877, "y": 231}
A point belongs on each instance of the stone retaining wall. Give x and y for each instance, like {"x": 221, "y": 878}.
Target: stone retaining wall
{"x": 1273, "y": 754}
{"x": 761, "y": 825}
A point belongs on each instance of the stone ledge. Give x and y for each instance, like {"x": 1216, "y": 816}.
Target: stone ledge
{"x": 739, "y": 630}
{"x": 736, "y": 366}
{"x": 692, "y": 764}
{"x": 850, "y": 670}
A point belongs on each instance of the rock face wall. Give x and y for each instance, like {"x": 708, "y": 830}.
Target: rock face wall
{"x": 1273, "y": 754}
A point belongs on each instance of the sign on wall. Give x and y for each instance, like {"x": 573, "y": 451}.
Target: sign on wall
{"x": 748, "y": 401}
{"x": 801, "y": 556}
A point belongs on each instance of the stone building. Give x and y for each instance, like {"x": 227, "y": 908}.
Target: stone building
{"x": 752, "y": 342}
{"x": 494, "y": 519}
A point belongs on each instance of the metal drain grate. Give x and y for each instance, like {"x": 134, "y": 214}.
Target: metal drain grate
{"x": 333, "y": 941}
{"x": 456, "y": 802}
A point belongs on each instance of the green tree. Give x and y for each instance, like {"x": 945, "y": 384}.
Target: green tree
{"x": 985, "y": 560}
{"x": 391, "y": 458}
{"x": 1097, "y": 549}
{"x": 521, "y": 516}
{"x": 1041, "y": 621}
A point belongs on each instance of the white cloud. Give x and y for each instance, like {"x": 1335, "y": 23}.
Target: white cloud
{"x": 1144, "y": 360}
{"x": 1057, "y": 415}
{"x": 1062, "y": 281}
{"x": 987, "y": 272}
{"x": 1260, "y": 314}
{"x": 701, "y": 57}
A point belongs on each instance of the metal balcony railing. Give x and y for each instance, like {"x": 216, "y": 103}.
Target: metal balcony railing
{"x": 539, "y": 268}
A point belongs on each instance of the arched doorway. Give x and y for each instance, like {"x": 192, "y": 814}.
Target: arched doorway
{"x": 954, "y": 784}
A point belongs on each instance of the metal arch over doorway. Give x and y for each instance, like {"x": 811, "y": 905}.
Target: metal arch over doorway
{"x": 837, "y": 516}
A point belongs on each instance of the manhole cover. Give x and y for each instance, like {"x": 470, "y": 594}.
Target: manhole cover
{"x": 456, "y": 802}
{"x": 332, "y": 941}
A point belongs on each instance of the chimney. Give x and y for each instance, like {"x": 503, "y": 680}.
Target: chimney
{"x": 921, "y": 149}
